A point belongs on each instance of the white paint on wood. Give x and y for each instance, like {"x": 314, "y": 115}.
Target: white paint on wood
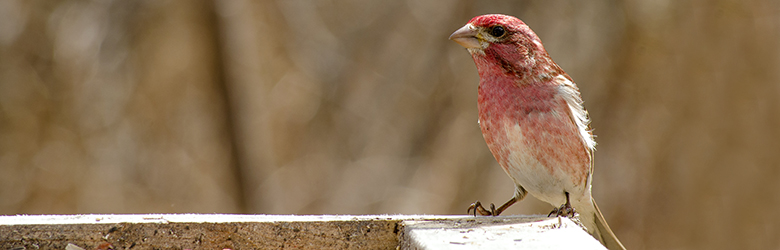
{"x": 497, "y": 233}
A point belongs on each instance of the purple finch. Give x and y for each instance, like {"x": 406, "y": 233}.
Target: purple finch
{"x": 532, "y": 118}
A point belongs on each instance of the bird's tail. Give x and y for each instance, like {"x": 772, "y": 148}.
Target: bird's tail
{"x": 603, "y": 233}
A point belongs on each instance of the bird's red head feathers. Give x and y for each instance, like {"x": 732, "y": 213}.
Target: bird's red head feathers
{"x": 515, "y": 29}
{"x": 506, "y": 41}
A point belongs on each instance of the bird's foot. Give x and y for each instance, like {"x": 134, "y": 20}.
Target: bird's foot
{"x": 565, "y": 210}
{"x": 478, "y": 208}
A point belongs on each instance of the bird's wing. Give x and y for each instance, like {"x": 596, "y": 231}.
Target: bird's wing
{"x": 577, "y": 113}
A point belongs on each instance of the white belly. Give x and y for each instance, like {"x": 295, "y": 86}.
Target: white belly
{"x": 547, "y": 183}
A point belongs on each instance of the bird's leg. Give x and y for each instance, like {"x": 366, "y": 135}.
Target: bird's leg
{"x": 478, "y": 208}
{"x": 566, "y": 209}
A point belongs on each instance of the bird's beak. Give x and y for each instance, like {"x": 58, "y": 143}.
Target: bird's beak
{"x": 466, "y": 37}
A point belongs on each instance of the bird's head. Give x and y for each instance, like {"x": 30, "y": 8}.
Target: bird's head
{"x": 494, "y": 29}
{"x": 503, "y": 41}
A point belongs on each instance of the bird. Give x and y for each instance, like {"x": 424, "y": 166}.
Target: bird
{"x": 533, "y": 120}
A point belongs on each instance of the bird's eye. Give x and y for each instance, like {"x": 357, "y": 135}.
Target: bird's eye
{"x": 497, "y": 31}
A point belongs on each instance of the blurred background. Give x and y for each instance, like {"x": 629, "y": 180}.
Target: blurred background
{"x": 365, "y": 107}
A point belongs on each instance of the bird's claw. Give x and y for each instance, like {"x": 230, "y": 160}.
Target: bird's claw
{"x": 478, "y": 208}
{"x": 565, "y": 210}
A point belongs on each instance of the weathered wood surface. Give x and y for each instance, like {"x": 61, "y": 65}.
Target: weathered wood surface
{"x": 227, "y": 231}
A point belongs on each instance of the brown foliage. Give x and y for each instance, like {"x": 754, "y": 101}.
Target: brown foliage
{"x": 356, "y": 107}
